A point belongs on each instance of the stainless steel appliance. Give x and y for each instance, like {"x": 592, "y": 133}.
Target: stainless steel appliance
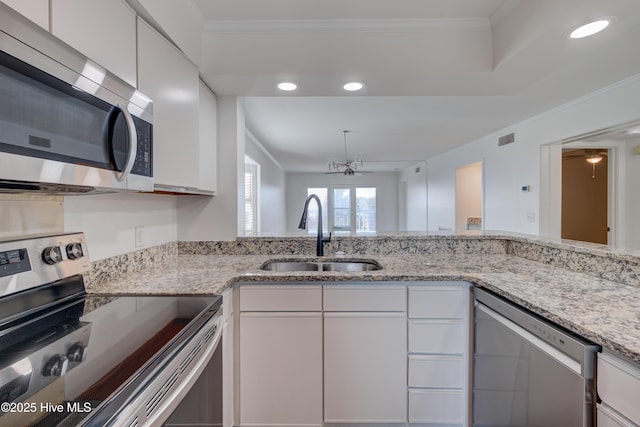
{"x": 528, "y": 372}
{"x": 68, "y": 358}
{"x": 66, "y": 123}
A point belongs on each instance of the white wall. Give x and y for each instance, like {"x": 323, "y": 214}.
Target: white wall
{"x": 508, "y": 168}
{"x": 272, "y": 209}
{"x": 109, "y": 221}
{"x": 23, "y": 214}
{"x": 386, "y": 184}
{"x": 202, "y": 218}
{"x": 415, "y": 186}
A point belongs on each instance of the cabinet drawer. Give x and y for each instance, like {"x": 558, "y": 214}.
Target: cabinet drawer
{"x": 438, "y": 302}
{"x": 280, "y": 298}
{"x": 437, "y": 336}
{"x": 365, "y": 298}
{"x": 436, "y": 371}
{"x": 619, "y": 385}
{"x": 607, "y": 417}
{"x": 437, "y": 406}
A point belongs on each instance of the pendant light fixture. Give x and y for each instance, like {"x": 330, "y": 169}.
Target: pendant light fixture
{"x": 594, "y": 159}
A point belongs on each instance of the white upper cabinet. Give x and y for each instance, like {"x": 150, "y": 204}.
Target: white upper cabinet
{"x": 172, "y": 81}
{"x": 35, "y": 10}
{"x": 103, "y": 30}
{"x": 208, "y": 139}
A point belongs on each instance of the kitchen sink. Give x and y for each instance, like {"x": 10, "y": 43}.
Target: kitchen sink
{"x": 350, "y": 266}
{"x": 334, "y": 265}
{"x": 290, "y": 266}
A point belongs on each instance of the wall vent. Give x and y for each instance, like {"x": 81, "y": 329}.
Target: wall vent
{"x": 506, "y": 139}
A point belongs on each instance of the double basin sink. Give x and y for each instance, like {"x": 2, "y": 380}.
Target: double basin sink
{"x": 333, "y": 265}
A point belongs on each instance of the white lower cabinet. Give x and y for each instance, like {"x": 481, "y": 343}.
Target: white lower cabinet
{"x": 365, "y": 367}
{"x": 365, "y": 356}
{"x": 280, "y": 361}
{"x": 353, "y": 354}
{"x": 437, "y": 407}
{"x": 618, "y": 388}
{"x": 609, "y": 417}
{"x": 438, "y": 351}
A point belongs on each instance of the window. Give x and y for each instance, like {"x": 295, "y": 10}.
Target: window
{"x": 365, "y": 210}
{"x": 349, "y": 209}
{"x": 250, "y": 199}
{"x": 341, "y": 212}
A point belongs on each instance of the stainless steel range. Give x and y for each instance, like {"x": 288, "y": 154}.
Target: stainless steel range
{"x": 68, "y": 358}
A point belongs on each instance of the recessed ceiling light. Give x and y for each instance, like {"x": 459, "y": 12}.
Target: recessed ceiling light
{"x": 353, "y": 86}
{"x": 589, "y": 29}
{"x": 287, "y": 86}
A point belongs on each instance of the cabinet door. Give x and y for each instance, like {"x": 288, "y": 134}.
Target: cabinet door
{"x": 103, "y": 30}
{"x": 608, "y": 417}
{"x": 35, "y": 10}
{"x": 619, "y": 385}
{"x": 208, "y": 138}
{"x": 365, "y": 362}
{"x": 280, "y": 368}
{"x": 165, "y": 75}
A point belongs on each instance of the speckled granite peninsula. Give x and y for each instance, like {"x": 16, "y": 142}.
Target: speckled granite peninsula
{"x": 589, "y": 289}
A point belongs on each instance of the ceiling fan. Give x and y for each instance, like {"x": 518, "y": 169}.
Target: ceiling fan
{"x": 593, "y": 156}
{"x": 350, "y": 166}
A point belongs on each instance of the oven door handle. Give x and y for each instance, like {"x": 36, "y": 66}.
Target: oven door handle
{"x": 551, "y": 351}
{"x": 133, "y": 143}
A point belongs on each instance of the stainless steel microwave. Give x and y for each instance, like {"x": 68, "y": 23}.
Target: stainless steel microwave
{"x": 66, "y": 123}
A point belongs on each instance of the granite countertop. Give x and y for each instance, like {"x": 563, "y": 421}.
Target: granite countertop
{"x": 603, "y": 311}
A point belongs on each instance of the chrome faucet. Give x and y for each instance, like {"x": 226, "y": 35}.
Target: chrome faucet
{"x": 303, "y": 224}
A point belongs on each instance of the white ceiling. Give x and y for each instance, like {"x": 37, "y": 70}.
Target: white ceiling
{"x": 438, "y": 73}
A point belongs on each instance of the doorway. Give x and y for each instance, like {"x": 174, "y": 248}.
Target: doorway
{"x": 585, "y": 195}
{"x": 469, "y": 197}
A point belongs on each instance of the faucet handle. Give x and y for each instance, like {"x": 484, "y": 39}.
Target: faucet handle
{"x": 327, "y": 239}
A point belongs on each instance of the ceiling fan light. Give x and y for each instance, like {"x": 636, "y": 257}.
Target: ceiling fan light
{"x": 287, "y": 86}
{"x": 594, "y": 158}
{"x": 589, "y": 29}
{"x": 353, "y": 86}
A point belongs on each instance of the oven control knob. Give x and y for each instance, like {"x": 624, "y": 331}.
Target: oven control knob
{"x": 56, "y": 367}
{"x": 74, "y": 250}
{"x": 77, "y": 353}
{"x": 52, "y": 255}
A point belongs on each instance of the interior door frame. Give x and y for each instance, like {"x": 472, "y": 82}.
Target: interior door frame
{"x": 551, "y": 188}
{"x": 461, "y": 188}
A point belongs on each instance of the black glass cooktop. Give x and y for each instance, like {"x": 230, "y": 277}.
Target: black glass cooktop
{"x": 58, "y": 364}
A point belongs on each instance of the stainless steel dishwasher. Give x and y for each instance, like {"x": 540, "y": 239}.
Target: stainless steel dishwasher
{"x": 527, "y": 371}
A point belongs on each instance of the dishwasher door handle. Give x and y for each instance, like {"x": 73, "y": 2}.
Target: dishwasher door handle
{"x": 548, "y": 349}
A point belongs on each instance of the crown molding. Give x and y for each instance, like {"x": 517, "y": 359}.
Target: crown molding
{"x": 262, "y": 148}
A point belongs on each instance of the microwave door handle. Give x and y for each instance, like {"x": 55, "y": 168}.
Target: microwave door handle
{"x": 133, "y": 144}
